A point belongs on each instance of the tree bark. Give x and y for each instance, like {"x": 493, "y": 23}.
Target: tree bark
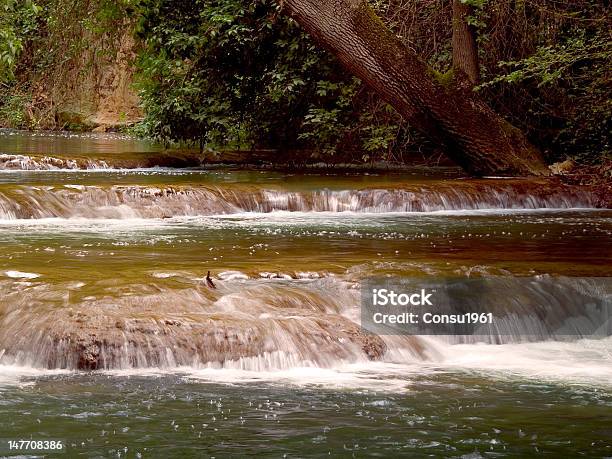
{"x": 465, "y": 49}
{"x": 472, "y": 134}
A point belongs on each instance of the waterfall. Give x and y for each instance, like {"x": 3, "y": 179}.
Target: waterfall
{"x": 257, "y": 326}
{"x": 274, "y": 321}
{"x": 10, "y": 162}
{"x": 70, "y": 201}
{"x": 249, "y": 325}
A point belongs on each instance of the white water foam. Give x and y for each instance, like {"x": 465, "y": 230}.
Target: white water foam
{"x": 584, "y": 362}
{"x": 232, "y": 275}
{"x": 284, "y": 218}
{"x": 163, "y": 275}
{"x": 21, "y": 275}
{"x": 372, "y": 376}
{"x": 103, "y": 168}
{"x": 14, "y": 375}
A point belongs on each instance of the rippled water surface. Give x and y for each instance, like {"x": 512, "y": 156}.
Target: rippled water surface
{"x": 440, "y": 414}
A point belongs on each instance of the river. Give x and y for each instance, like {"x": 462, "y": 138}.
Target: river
{"x": 111, "y": 340}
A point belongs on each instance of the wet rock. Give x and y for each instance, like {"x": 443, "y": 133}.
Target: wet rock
{"x": 101, "y": 342}
{"x": 88, "y": 354}
{"x": 563, "y": 168}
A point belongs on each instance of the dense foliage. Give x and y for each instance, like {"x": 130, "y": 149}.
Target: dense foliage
{"x": 239, "y": 73}
{"x": 17, "y": 21}
{"x": 231, "y": 73}
{"x": 551, "y": 74}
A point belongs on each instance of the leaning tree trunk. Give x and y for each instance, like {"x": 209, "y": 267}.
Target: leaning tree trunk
{"x": 465, "y": 49}
{"x": 472, "y": 134}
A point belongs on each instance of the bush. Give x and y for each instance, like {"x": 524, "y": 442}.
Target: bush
{"x": 235, "y": 73}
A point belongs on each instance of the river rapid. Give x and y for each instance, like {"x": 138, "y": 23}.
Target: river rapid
{"x": 111, "y": 340}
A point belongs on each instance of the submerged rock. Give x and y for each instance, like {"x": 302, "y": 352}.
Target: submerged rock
{"x": 236, "y": 329}
{"x": 218, "y": 341}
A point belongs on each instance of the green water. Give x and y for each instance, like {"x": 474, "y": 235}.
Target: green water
{"x": 439, "y": 415}
{"x": 94, "y": 251}
{"x": 73, "y": 145}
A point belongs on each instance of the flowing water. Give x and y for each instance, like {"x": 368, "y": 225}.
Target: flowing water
{"x": 110, "y": 339}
